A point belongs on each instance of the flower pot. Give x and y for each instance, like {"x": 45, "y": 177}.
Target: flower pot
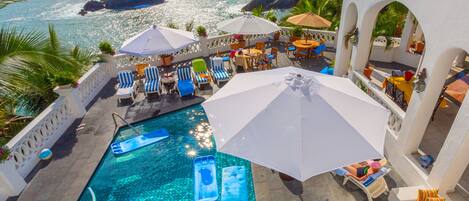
{"x": 242, "y": 43}
{"x": 167, "y": 60}
{"x": 277, "y": 36}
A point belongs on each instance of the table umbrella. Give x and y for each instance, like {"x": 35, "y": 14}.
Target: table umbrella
{"x": 247, "y": 25}
{"x": 296, "y": 121}
{"x": 309, "y": 20}
{"x": 156, "y": 41}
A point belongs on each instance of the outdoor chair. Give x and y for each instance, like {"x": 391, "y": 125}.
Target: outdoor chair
{"x": 139, "y": 68}
{"x": 218, "y": 70}
{"x": 273, "y": 55}
{"x": 260, "y": 46}
{"x": 301, "y": 53}
{"x": 319, "y": 51}
{"x": 241, "y": 61}
{"x": 373, "y": 186}
{"x": 185, "y": 85}
{"x": 152, "y": 80}
{"x": 200, "y": 70}
{"x": 126, "y": 87}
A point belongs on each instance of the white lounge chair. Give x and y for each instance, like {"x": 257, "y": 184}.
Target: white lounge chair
{"x": 373, "y": 186}
{"x": 218, "y": 70}
{"x": 127, "y": 87}
{"x": 152, "y": 80}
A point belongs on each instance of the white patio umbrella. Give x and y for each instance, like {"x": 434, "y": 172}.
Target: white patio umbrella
{"x": 297, "y": 122}
{"x": 248, "y": 24}
{"x": 156, "y": 41}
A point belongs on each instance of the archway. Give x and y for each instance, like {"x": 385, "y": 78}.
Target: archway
{"x": 345, "y": 40}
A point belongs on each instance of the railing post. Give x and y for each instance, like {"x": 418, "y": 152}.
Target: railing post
{"x": 11, "y": 182}
{"x": 204, "y": 46}
{"x": 72, "y": 100}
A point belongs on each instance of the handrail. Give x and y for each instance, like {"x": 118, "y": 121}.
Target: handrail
{"x": 93, "y": 196}
{"x": 114, "y": 114}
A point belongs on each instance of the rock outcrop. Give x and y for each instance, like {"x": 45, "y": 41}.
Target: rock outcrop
{"x": 270, "y": 4}
{"x": 93, "y": 6}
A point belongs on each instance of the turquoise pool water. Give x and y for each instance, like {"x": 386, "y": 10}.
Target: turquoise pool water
{"x": 164, "y": 170}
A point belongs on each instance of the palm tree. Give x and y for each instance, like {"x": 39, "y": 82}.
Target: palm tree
{"x": 259, "y": 12}
{"x": 328, "y": 9}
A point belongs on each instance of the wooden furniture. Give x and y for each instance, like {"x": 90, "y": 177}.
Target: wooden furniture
{"x": 140, "y": 69}
{"x": 260, "y": 46}
{"x": 274, "y": 54}
{"x": 307, "y": 45}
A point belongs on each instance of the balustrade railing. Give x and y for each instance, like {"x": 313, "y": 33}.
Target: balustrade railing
{"x": 92, "y": 82}
{"x": 382, "y": 41}
{"x": 397, "y": 114}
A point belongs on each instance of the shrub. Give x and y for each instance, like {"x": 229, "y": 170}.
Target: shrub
{"x": 172, "y": 25}
{"x": 201, "y": 31}
{"x": 296, "y": 31}
{"x": 4, "y": 154}
{"x": 106, "y": 48}
{"x": 63, "y": 79}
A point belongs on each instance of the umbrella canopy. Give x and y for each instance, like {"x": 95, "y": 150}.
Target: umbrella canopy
{"x": 309, "y": 20}
{"x": 297, "y": 122}
{"x": 157, "y": 40}
{"x": 248, "y": 24}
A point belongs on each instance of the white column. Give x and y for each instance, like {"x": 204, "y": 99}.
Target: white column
{"x": 453, "y": 159}
{"x": 11, "y": 183}
{"x": 361, "y": 52}
{"x": 407, "y": 32}
{"x": 343, "y": 54}
{"x": 422, "y": 104}
{"x": 204, "y": 46}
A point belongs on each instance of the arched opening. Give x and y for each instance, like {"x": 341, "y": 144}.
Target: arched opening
{"x": 344, "y": 54}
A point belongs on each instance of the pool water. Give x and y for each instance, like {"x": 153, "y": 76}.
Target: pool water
{"x": 164, "y": 170}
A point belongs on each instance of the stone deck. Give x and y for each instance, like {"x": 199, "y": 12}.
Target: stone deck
{"x": 78, "y": 152}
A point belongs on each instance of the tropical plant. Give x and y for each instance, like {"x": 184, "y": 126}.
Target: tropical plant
{"x": 201, "y": 31}
{"x": 259, "y": 12}
{"x": 104, "y": 46}
{"x": 63, "y": 78}
{"x": 296, "y": 31}
{"x": 390, "y": 22}
{"x": 189, "y": 25}
{"x": 172, "y": 25}
{"x": 328, "y": 9}
{"x": 4, "y": 153}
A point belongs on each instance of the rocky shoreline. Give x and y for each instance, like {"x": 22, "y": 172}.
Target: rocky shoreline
{"x": 270, "y": 4}
{"x": 94, "y": 5}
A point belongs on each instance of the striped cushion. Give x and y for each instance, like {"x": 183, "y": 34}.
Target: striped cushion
{"x": 184, "y": 73}
{"x": 151, "y": 86}
{"x": 199, "y": 79}
{"x": 217, "y": 63}
{"x": 429, "y": 193}
{"x": 220, "y": 75}
{"x": 126, "y": 79}
{"x": 151, "y": 73}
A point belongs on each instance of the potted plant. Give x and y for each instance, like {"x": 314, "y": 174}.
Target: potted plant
{"x": 296, "y": 33}
{"x": 201, "y": 31}
{"x": 166, "y": 59}
{"x": 367, "y": 72}
{"x": 64, "y": 80}
{"x": 4, "y": 154}
{"x": 106, "y": 48}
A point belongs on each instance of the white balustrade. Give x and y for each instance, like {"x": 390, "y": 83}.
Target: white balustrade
{"x": 92, "y": 82}
{"x": 328, "y": 36}
{"x": 382, "y": 41}
{"x": 375, "y": 92}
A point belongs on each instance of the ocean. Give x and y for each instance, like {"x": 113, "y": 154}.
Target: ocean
{"x": 112, "y": 25}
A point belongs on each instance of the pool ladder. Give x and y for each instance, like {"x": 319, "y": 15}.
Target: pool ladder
{"x": 114, "y": 115}
{"x": 93, "y": 196}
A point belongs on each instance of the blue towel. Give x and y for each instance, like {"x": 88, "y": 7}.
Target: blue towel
{"x": 234, "y": 184}
{"x": 327, "y": 70}
{"x": 186, "y": 87}
{"x": 341, "y": 171}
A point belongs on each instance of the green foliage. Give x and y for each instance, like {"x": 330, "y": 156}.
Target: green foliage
{"x": 258, "y": 11}
{"x": 270, "y": 15}
{"x": 4, "y": 153}
{"x": 296, "y": 31}
{"x": 390, "y": 20}
{"x": 63, "y": 78}
{"x": 201, "y": 31}
{"x": 4, "y": 3}
{"x": 172, "y": 25}
{"x": 189, "y": 25}
{"x": 105, "y": 47}
{"x": 328, "y": 9}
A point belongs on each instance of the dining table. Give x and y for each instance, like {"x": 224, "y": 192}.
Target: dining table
{"x": 250, "y": 55}
{"x": 304, "y": 44}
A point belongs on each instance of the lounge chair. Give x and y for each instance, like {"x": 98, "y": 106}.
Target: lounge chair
{"x": 373, "y": 186}
{"x": 200, "y": 70}
{"x": 152, "y": 80}
{"x": 127, "y": 87}
{"x": 185, "y": 85}
{"x": 218, "y": 70}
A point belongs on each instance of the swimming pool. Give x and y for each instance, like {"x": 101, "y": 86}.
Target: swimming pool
{"x": 164, "y": 170}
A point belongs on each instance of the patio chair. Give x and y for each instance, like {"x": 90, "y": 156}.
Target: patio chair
{"x": 200, "y": 70}
{"x": 185, "y": 85}
{"x": 319, "y": 50}
{"x": 373, "y": 186}
{"x": 260, "y": 46}
{"x": 273, "y": 55}
{"x": 152, "y": 82}
{"x": 127, "y": 87}
{"x": 139, "y": 68}
{"x": 218, "y": 70}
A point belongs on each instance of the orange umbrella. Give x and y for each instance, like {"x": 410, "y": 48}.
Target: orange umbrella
{"x": 309, "y": 20}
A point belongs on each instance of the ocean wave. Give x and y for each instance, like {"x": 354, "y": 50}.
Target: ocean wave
{"x": 62, "y": 10}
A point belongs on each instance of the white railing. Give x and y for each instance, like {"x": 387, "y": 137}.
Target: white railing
{"x": 328, "y": 36}
{"x": 41, "y": 133}
{"x": 375, "y": 92}
{"x": 382, "y": 41}
{"x": 52, "y": 123}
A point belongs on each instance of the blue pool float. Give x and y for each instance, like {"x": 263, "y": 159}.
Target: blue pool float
{"x": 139, "y": 141}
{"x": 233, "y": 182}
{"x": 205, "y": 181}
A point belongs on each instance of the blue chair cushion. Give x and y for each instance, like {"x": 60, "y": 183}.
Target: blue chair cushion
{"x": 220, "y": 75}
{"x": 368, "y": 181}
{"x": 186, "y": 87}
{"x": 151, "y": 86}
{"x": 125, "y": 85}
{"x": 226, "y": 59}
{"x": 271, "y": 56}
{"x": 291, "y": 48}
{"x": 327, "y": 70}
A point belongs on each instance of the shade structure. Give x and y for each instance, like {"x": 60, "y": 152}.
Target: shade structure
{"x": 309, "y": 20}
{"x": 156, "y": 41}
{"x": 297, "y": 122}
{"x": 248, "y": 24}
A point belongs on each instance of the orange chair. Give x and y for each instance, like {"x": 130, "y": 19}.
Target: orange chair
{"x": 260, "y": 46}
{"x": 140, "y": 68}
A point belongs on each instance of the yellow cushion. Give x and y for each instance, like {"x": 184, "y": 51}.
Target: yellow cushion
{"x": 428, "y": 193}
